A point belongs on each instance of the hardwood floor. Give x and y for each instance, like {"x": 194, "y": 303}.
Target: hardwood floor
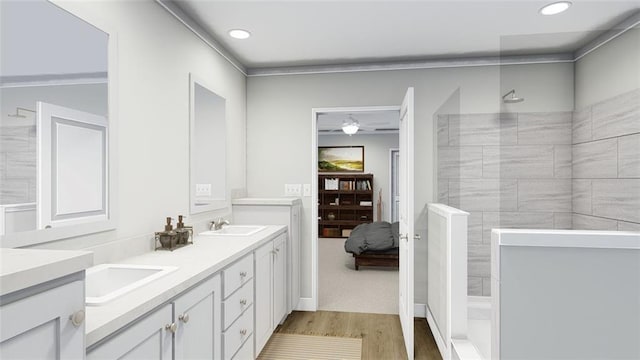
{"x": 381, "y": 334}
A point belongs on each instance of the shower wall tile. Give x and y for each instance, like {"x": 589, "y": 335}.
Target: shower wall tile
{"x": 582, "y": 125}
{"x": 514, "y": 220}
{"x": 628, "y": 226}
{"x": 544, "y": 195}
{"x": 563, "y": 221}
{"x": 617, "y": 116}
{"x": 443, "y": 191}
{"x": 14, "y": 138}
{"x": 474, "y": 286}
{"x": 629, "y": 156}
{"x": 581, "y": 196}
{"x": 617, "y": 199}
{"x": 443, "y": 130}
{"x": 597, "y": 159}
{"x": 586, "y": 222}
{"x": 483, "y": 129}
{"x": 14, "y": 192}
{"x": 483, "y": 195}
{"x": 562, "y": 166}
{"x": 486, "y": 286}
{"x": 20, "y": 165}
{"x": 479, "y": 256}
{"x": 516, "y": 162}
{"x": 460, "y": 162}
{"x": 474, "y": 227}
{"x": 544, "y": 128}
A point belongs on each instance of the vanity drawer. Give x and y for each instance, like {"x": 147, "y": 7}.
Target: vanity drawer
{"x": 238, "y": 333}
{"x": 237, "y": 303}
{"x": 237, "y": 274}
{"x": 246, "y": 351}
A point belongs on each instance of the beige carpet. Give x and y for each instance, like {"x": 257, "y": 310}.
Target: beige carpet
{"x": 299, "y": 347}
{"x": 342, "y": 288}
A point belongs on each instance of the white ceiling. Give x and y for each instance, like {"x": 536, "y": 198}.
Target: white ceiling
{"x": 308, "y": 32}
{"x": 380, "y": 121}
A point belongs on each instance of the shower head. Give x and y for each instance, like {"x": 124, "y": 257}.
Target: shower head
{"x": 511, "y": 99}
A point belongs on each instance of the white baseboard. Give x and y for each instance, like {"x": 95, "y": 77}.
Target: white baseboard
{"x": 306, "y": 304}
{"x": 419, "y": 310}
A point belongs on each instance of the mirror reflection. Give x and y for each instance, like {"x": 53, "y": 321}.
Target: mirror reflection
{"x": 51, "y": 60}
{"x": 208, "y": 134}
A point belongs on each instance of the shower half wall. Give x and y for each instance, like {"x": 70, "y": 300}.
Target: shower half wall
{"x": 555, "y": 170}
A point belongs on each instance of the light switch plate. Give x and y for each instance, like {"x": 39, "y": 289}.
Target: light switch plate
{"x": 292, "y": 189}
{"x": 203, "y": 189}
{"x": 307, "y": 189}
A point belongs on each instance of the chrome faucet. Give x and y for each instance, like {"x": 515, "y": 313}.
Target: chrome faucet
{"x": 217, "y": 224}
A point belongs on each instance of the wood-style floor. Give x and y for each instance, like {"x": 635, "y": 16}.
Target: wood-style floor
{"x": 381, "y": 334}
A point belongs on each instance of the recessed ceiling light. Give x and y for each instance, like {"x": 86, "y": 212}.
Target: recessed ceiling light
{"x": 239, "y": 34}
{"x": 555, "y": 8}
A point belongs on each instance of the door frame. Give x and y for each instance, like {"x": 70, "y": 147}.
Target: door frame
{"x": 313, "y": 305}
{"x": 391, "y": 194}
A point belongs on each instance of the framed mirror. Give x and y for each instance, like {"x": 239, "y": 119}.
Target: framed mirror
{"x": 55, "y": 125}
{"x": 207, "y": 126}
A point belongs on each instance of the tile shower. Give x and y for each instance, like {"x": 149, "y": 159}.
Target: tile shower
{"x": 556, "y": 170}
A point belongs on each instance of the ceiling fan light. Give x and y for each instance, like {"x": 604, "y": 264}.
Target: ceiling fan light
{"x": 350, "y": 127}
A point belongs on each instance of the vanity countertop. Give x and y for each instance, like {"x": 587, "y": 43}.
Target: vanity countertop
{"x": 22, "y": 268}
{"x": 288, "y": 201}
{"x": 207, "y": 255}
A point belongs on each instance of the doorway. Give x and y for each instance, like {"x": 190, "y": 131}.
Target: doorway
{"x": 340, "y": 286}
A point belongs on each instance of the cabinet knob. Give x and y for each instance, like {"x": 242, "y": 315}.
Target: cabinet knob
{"x": 171, "y": 327}
{"x": 77, "y": 318}
{"x": 243, "y": 302}
{"x": 184, "y": 318}
{"x": 243, "y": 332}
{"x": 243, "y": 273}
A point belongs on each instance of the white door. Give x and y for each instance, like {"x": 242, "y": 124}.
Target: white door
{"x": 405, "y": 184}
{"x": 72, "y": 166}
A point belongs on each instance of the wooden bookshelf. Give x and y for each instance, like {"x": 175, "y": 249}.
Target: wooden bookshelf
{"x": 344, "y": 201}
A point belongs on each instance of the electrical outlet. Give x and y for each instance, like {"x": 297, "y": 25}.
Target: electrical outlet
{"x": 292, "y": 189}
{"x": 307, "y": 189}
{"x": 203, "y": 189}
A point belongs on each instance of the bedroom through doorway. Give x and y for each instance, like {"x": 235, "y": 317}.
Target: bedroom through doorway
{"x": 356, "y": 198}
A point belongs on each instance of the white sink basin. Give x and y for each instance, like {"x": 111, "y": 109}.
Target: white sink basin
{"x": 108, "y": 281}
{"x": 235, "y": 230}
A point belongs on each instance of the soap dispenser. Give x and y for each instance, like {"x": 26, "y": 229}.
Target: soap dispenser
{"x": 168, "y": 238}
{"x": 183, "y": 233}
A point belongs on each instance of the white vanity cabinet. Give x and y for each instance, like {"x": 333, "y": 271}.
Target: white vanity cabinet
{"x": 271, "y": 289}
{"x": 45, "y": 323}
{"x": 193, "y": 318}
{"x": 238, "y": 309}
{"x": 277, "y": 211}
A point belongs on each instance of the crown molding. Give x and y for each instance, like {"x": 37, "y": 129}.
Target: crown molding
{"x": 627, "y": 24}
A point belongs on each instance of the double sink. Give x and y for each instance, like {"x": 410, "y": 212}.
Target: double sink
{"x": 108, "y": 281}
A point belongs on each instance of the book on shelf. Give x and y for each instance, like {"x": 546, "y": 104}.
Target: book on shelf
{"x": 366, "y": 203}
{"x": 331, "y": 184}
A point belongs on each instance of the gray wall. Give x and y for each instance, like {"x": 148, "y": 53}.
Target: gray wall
{"x": 279, "y": 124}
{"x": 376, "y": 160}
{"x": 508, "y": 170}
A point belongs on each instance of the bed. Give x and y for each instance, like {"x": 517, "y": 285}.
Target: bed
{"x": 374, "y": 244}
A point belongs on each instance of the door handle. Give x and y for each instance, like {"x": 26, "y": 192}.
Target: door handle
{"x": 404, "y": 237}
{"x": 417, "y": 237}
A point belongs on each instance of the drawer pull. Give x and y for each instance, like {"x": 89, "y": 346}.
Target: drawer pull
{"x": 171, "y": 327}
{"x": 243, "y": 273}
{"x": 243, "y": 302}
{"x": 77, "y": 318}
{"x": 243, "y": 332}
{"x": 184, "y": 318}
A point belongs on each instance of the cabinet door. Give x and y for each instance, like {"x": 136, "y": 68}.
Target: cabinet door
{"x": 146, "y": 339}
{"x": 293, "y": 253}
{"x": 198, "y": 316}
{"x": 279, "y": 280}
{"x": 38, "y": 327}
{"x": 263, "y": 295}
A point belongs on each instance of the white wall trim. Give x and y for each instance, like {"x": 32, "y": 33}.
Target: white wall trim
{"x": 624, "y": 26}
{"x": 442, "y": 346}
{"x": 391, "y": 195}
{"x": 306, "y": 304}
{"x": 420, "y": 310}
{"x": 203, "y": 35}
{"x": 314, "y": 187}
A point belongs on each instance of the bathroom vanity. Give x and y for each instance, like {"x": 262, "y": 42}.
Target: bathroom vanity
{"x": 42, "y": 303}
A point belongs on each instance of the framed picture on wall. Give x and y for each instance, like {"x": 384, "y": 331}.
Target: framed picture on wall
{"x": 341, "y": 159}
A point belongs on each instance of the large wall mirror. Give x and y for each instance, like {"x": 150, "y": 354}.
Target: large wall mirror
{"x": 54, "y": 125}
{"x": 208, "y": 128}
